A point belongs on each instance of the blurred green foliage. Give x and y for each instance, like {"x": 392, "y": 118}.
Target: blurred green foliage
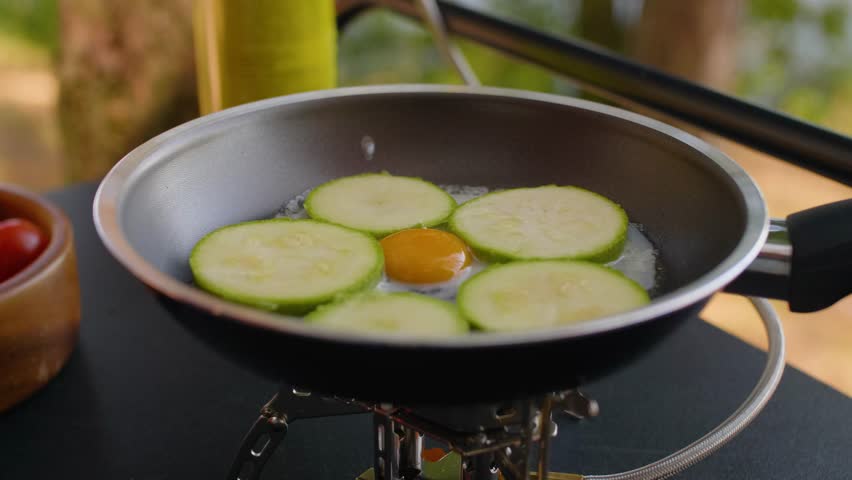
{"x": 381, "y": 47}
{"x": 783, "y": 10}
{"x": 32, "y": 20}
{"x": 795, "y": 55}
{"x": 834, "y": 20}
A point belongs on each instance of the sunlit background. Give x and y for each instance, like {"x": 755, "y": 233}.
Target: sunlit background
{"x": 84, "y": 81}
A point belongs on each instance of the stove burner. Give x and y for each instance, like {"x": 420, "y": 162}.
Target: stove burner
{"x": 485, "y": 440}
{"x": 489, "y": 441}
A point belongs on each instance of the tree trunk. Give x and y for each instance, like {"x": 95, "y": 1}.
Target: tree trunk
{"x": 694, "y": 39}
{"x": 126, "y": 73}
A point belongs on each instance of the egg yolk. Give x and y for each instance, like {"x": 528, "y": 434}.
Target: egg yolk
{"x": 424, "y": 255}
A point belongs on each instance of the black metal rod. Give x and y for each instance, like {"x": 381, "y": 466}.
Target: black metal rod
{"x": 801, "y": 143}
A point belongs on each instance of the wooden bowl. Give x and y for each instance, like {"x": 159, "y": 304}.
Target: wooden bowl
{"x": 40, "y": 305}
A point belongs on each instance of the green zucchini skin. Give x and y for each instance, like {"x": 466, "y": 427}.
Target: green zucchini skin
{"x": 487, "y": 248}
{"x": 536, "y": 294}
{"x": 366, "y": 277}
{"x": 394, "y": 313}
{"x": 347, "y": 210}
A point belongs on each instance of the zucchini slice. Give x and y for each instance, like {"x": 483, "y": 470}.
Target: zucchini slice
{"x": 380, "y": 203}
{"x": 545, "y": 293}
{"x": 548, "y": 222}
{"x": 406, "y": 313}
{"x": 289, "y": 266}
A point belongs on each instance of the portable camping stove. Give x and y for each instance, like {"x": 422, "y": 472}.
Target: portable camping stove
{"x": 486, "y": 441}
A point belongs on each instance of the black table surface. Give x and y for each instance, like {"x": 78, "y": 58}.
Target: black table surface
{"x": 141, "y": 399}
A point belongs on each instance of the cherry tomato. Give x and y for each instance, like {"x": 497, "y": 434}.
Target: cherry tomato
{"x": 21, "y": 242}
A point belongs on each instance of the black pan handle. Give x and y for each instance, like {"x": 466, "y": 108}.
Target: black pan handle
{"x": 807, "y": 259}
{"x": 821, "y": 265}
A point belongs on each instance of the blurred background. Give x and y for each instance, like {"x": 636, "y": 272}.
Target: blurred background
{"x": 82, "y": 82}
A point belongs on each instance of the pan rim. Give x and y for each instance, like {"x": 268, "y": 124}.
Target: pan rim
{"x": 111, "y": 193}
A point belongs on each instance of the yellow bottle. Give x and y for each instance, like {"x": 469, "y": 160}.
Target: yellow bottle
{"x": 247, "y": 50}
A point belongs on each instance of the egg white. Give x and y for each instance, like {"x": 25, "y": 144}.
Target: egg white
{"x": 638, "y": 261}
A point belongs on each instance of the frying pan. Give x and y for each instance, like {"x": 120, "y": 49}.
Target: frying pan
{"x": 702, "y": 211}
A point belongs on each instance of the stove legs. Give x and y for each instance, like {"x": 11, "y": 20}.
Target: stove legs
{"x": 386, "y": 448}
{"x": 499, "y": 442}
{"x": 411, "y": 454}
{"x": 481, "y": 467}
{"x": 259, "y": 443}
{"x": 271, "y": 426}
